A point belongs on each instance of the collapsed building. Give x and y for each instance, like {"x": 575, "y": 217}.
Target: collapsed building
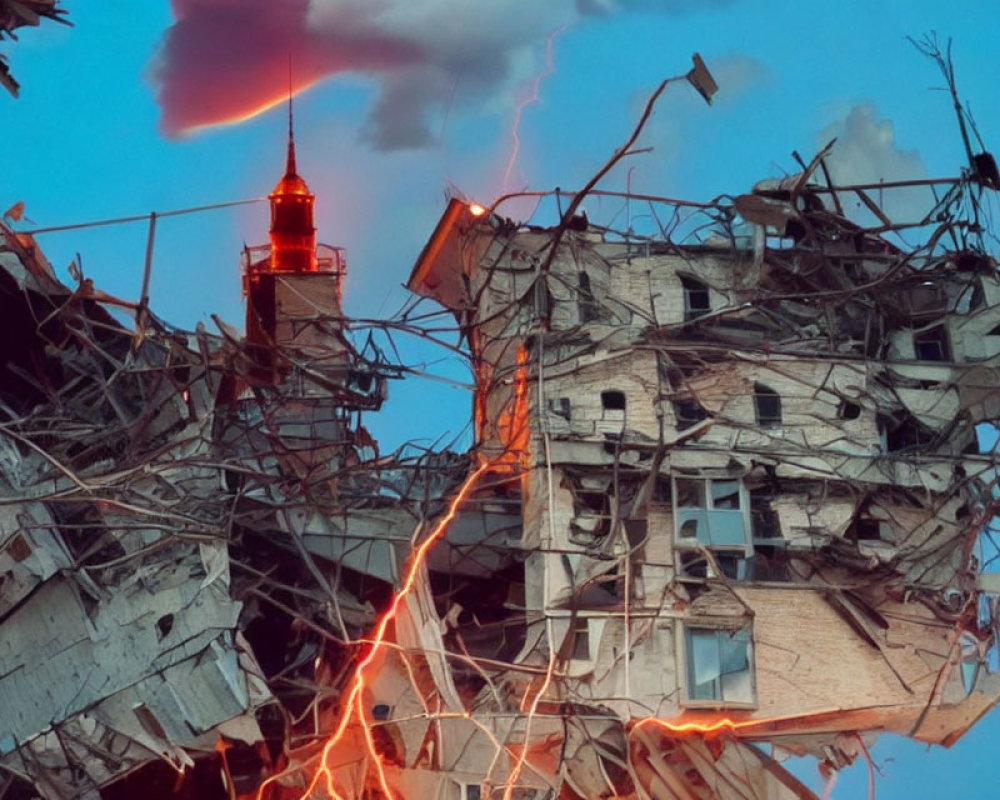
{"x": 726, "y": 492}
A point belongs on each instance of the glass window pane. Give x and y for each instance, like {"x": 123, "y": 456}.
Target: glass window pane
{"x": 726, "y": 528}
{"x": 737, "y": 677}
{"x": 703, "y": 664}
{"x": 725, "y": 494}
{"x": 737, "y": 687}
{"x": 733, "y": 650}
{"x": 692, "y": 523}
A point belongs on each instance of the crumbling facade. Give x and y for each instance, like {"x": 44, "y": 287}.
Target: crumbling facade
{"x": 751, "y": 484}
{"x": 726, "y": 490}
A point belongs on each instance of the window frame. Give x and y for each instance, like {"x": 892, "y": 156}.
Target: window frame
{"x": 743, "y": 553}
{"x": 613, "y": 413}
{"x": 685, "y": 649}
{"x": 766, "y": 393}
{"x": 691, "y": 286}
{"x": 933, "y": 335}
{"x": 710, "y": 505}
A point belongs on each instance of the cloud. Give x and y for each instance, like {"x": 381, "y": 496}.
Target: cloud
{"x": 866, "y": 152}
{"x": 224, "y": 60}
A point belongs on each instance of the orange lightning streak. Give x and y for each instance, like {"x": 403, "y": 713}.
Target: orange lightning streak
{"x": 532, "y": 97}
{"x": 352, "y": 707}
{"x": 724, "y": 724}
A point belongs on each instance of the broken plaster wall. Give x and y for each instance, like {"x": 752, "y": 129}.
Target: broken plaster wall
{"x": 120, "y": 637}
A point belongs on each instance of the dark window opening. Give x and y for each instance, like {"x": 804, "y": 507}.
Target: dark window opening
{"x": 849, "y": 410}
{"x": 612, "y": 585}
{"x": 867, "y": 530}
{"x": 932, "y": 344}
{"x": 593, "y": 502}
{"x": 995, "y": 331}
{"x": 164, "y": 625}
{"x": 360, "y": 381}
{"x": 612, "y": 400}
{"x": 589, "y": 310}
{"x": 559, "y": 406}
{"x": 581, "y": 640}
{"x": 688, "y": 413}
{"x": 767, "y": 404}
{"x": 764, "y": 520}
{"x": 696, "y": 298}
{"x": 770, "y": 563}
{"x": 906, "y": 434}
{"x": 592, "y": 516}
{"x": 662, "y": 490}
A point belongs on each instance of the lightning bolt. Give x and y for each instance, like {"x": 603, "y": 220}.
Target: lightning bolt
{"x": 532, "y": 97}
{"x": 352, "y": 708}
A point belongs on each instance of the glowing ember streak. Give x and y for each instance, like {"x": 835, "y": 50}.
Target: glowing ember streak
{"x": 532, "y": 97}
{"x": 352, "y": 707}
{"x": 724, "y": 724}
{"x": 515, "y": 773}
{"x": 513, "y": 425}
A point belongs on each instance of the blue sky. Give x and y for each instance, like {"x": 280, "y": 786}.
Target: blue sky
{"x": 380, "y": 140}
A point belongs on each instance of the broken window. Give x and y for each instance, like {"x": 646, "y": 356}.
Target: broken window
{"x": 559, "y": 406}
{"x": 767, "y": 406}
{"x": 926, "y": 299}
{"x": 868, "y": 529}
{"x": 719, "y": 665}
{"x": 908, "y": 433}
{"x": 591, "y": 511}
{"x": 711, "y": 511}
{"x": 931, "y": 344}
{"x": 696, "y": 299}
{"x": 688, "y": 413}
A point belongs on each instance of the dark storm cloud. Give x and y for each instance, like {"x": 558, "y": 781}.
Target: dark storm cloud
{"x": 226, "y": 59}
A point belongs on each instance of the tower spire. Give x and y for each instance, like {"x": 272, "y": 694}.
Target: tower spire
{"x": 290, "y": 163}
